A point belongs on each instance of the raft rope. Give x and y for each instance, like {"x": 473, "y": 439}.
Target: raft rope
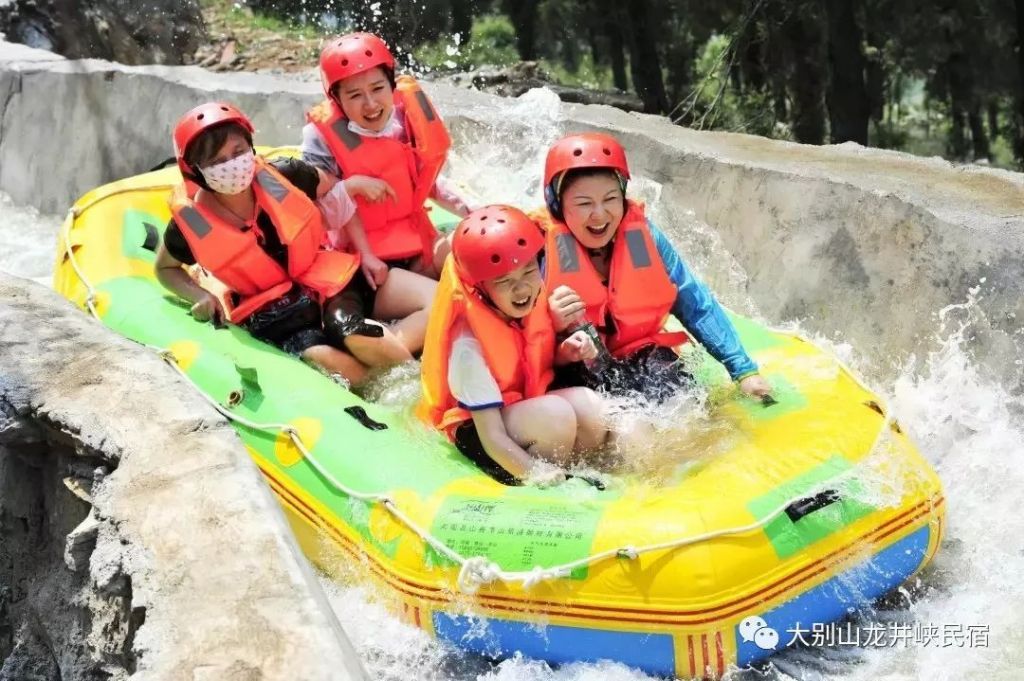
{"x": 475, "y": 571}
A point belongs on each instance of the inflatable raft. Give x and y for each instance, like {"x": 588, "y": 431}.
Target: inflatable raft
{"x": 806, "y": 509}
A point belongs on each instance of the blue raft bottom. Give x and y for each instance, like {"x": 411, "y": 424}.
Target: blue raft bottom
{"x": 655, "y": 654}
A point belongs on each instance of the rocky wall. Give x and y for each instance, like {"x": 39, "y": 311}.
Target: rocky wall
{"x": 137, "y": 538}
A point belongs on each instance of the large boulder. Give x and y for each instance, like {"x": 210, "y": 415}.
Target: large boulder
{"x": 137, "y": 537}
{"x": 126, "y": 31}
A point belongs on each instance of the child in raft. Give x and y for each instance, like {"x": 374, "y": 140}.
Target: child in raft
{"x": 490, "y": 352}
{"x": 607, "y": 266}
{"x": 382, "y": 135}
{"x": 254, "y": 225}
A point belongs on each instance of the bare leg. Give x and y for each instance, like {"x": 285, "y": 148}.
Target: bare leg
{"x": 544, "y": 426}
{"x": 591, "y": 430}
{"x": 379, "y": 353}
{"x": 442, "y": 247}
{"x": 336, "y": 362}
{"x": 406, "y": 297}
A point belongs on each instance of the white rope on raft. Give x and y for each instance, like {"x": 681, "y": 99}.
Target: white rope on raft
{"x": 475, "y": 571}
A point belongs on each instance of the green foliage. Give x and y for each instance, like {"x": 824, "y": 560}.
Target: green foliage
{"x": 923, "y": 72}
{"x": 717, "y": 104}
{"x": 239, "y": 16}
{"x": 587, "y": 74}
{"x": 491, "y": 42}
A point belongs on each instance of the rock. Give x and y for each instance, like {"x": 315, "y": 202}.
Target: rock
{"x": 114, "y": 563}
{"x": 227, "y": 54}
{"x": 128, "y": 31}
{"x": 515, "y": 80}
{"x": 80, "y": 544}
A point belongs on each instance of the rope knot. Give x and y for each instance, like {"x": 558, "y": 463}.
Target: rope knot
{"x": 538, "y": 575}
{"x": 627, "y": 552}
{"x": 476, "y": 572}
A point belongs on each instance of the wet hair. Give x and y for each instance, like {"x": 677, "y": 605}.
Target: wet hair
{"x": 389, "y": 73}
{"x": 205, "y": 147}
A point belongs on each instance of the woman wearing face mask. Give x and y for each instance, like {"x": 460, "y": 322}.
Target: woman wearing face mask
{"x": 254, "y": 226}
{"x": 608, "y": 268}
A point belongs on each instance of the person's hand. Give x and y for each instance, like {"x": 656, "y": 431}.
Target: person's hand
{"x": 755, "y": 386}
{"x": 461, "y": 208}
{"x": 544, "y": 474}
{"x": 370, "y": 188}
{"x": 566, "y": 308}
{"x": 374, "y": 269}
{"x": 579, "y": 347}
{"x": 208, "y": 308}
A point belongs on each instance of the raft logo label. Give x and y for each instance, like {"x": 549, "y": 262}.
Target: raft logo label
{"x": 755, "y": 630}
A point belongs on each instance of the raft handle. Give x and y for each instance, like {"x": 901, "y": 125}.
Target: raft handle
{"x": 152, "y": 237}
{"x": 803, "y": 507}
{"x": 768, "y": 401}
{"x": 359, "y": 414}
{"x": 594, "y": 482}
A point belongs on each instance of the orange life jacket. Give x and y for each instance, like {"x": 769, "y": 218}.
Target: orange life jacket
{"x": 630, "y": 310}
{"x": 394, "y": 229}
{"x": 234, "y": 256}
{"x": 519, "y": 354}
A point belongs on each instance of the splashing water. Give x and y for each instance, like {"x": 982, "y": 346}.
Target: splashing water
{"x": 966, "y": 424}
{"x": 28, "y": 241}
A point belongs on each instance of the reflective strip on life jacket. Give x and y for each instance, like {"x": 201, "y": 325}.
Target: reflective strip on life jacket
{"x": 399, "y": 228}
{"x": 236, "y": 259}
{"x": 632, "y": 308}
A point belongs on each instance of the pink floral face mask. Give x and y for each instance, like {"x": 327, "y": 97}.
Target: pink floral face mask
{"x": 232, "y": 176}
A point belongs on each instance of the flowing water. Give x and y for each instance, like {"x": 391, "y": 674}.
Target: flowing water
{"x": 966, "y": 425}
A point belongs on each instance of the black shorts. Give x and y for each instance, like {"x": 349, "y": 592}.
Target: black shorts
{"x": 467, "y": 441}
{"x": 293, "y": 322}
{"x": 346, "y": 313}
{"x": 652, "y": 373}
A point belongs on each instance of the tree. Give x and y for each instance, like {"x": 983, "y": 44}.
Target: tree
{"x": 523, "y": 14}
{"x": 644, "y": 61}
{"x": 804, "y": 31}
{"x": 847, "y": 98}
{"x": 1018, "y": 136}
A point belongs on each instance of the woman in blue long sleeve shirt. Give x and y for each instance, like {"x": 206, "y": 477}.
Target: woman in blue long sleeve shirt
{"x": 607, "y": 265}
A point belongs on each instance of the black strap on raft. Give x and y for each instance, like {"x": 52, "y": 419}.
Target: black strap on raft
{"x": 166, "y": 163}
{"x": 803, "y": 507}
{"x": 152, "y": 237}
{"x": 359, "y": 414}
{"x": 592, "y": 481}
{"x": 768, "y": 401}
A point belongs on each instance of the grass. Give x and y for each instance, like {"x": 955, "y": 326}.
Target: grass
{"x": 234, "y": 15}
{"x": 265, "y": 41}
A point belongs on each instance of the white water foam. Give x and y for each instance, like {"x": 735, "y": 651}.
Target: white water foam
{"x": 28, "y": 240}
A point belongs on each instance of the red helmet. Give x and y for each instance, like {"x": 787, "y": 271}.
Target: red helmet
{"x": 492, "y": 241}
{"x": 351, "y": 54}
{"x": 585, "y": 150}
{"x": 198, "y": 121}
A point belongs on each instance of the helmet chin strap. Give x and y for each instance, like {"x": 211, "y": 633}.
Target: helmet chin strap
{"x": 197, "y": 178}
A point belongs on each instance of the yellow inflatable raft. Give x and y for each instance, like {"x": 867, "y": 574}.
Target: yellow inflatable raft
{"x": 791, "y": 514}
